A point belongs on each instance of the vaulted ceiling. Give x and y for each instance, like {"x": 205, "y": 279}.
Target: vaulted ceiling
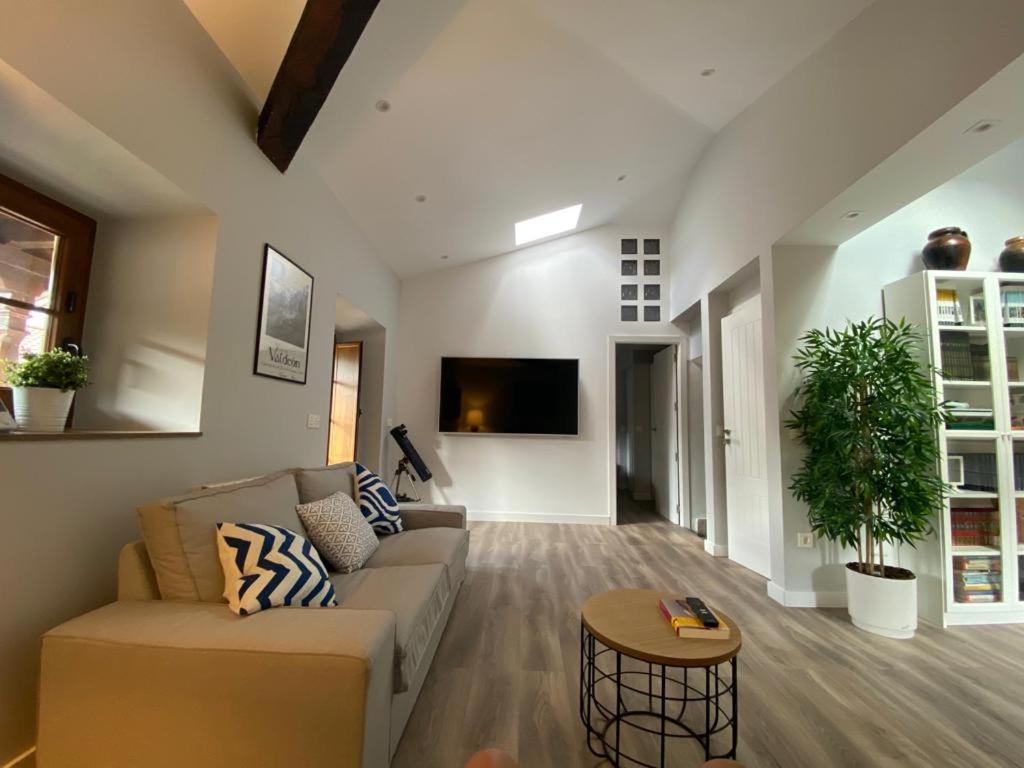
{"x": 501, "y": 110}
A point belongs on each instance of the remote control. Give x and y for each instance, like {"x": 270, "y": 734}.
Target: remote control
{"x": 701, "y": 611}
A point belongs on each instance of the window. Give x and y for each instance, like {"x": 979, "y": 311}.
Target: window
{"x": 45, "y": 254}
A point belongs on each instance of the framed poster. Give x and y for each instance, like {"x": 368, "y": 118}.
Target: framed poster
{"x": 286, "y": 303}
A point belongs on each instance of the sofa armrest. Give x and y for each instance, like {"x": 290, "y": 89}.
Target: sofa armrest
{"x": 136, "y": 579}
{"x": 160, "y": 684}
{"x": 416, "y": 515}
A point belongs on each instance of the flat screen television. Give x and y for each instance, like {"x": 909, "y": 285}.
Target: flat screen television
{"x": 509, "y": 396}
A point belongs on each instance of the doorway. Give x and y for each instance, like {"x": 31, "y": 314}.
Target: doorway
{"x": 646, "y": 432}
{"x": 343, "y": 432}
{"x": 744, "y": 439}
{"x": 355, "y": 430}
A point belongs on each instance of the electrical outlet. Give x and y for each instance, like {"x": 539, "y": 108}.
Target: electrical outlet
{"x": 313, "y": 421}
{"x": 805, "y": 539}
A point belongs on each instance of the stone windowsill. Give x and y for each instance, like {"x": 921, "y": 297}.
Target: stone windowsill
{"x": 91, "y": 434}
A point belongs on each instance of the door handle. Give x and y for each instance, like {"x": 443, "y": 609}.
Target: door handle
{"x": 725, "y": 434}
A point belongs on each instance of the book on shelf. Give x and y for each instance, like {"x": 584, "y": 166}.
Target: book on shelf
{"x": 947, "y": 307}
{"x": 988, "y": 586}
{"x": 974, "y": 526}
{"x": 688, "y": 626}
{"x": 978, "y": 598}
{"x": 977, "y": 563}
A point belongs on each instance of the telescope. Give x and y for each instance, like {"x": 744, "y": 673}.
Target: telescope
{"x": 411, "y": 457}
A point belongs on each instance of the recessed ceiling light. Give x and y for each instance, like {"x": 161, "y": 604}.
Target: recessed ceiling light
{"x": 622, "y": 177}
{"x": 548, "y": 224}
{"x": 421, "y": 198}
{"x": 708, "y": 72}
{"x": 852, "y": 215}
{"x": 982, "y": 126}
{"x": 383, "y": 106}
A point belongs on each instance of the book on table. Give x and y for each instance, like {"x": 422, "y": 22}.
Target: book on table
{"x": 687, "y": 625}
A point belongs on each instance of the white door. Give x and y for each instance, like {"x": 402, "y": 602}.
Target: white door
{"x": 746, "y": 482}
{"x": 664, "y": 435}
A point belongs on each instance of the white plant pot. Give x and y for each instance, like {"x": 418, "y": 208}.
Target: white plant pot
{"x": 40, "y": 409}
{"x": 884, "y": 606}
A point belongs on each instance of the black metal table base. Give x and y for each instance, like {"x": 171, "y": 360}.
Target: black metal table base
{"x": 677, "y": 706}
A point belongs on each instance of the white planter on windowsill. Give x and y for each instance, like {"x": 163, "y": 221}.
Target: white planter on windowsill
{"x": 886, "y": 607}
{"x": 41, "y": 409}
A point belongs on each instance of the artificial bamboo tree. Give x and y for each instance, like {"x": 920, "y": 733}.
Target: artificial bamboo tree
{"x": 868, "y": 417}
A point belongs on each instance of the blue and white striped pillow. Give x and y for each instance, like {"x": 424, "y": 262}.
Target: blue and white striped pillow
{"x": 267, "y": 566}
{"x": 377, "y": 503}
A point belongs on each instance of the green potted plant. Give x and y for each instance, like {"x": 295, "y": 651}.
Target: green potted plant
{"x": 868, "y": 418}
{"x": 44, "y": 386}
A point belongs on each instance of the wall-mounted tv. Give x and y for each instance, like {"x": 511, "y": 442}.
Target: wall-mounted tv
{"x": 509, "y": 396}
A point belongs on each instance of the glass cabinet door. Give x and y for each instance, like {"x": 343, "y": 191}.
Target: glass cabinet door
{"x": 964, "y": 354}
{"x": 974, "y": 521}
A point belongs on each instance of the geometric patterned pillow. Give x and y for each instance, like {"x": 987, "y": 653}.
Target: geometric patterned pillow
{"x": 266, "y": 566}
{"x": 377, "y": 503}
{"x": 339, "y": 531}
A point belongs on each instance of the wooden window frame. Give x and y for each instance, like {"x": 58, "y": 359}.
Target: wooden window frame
{"x": 76, "y": 234}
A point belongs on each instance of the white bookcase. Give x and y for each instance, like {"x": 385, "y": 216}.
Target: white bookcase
{"x": 978, "y": 345}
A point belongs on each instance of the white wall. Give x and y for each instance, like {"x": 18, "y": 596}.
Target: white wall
{"x": 557, "y": 299}
{"x": 148, "y": 76}
{"x": 146, "y": 323}
{"x": 875, "y": 85}
{"x": 823, "y": 286}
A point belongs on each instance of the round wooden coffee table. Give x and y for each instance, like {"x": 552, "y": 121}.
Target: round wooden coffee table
{"x": 658, "y": 692}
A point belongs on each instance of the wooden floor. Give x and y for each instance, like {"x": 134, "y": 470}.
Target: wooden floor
{"x": 814, "y": 690}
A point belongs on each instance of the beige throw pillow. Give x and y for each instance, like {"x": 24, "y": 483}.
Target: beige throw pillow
{"x": 339, "y": 531}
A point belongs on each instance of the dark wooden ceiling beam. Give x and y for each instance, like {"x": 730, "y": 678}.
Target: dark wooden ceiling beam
{"x": 327, "y": 32}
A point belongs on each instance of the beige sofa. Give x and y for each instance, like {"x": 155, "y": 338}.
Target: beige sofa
{"x": 168, "y": 676}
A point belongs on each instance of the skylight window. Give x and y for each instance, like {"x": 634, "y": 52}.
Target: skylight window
{"x": 548, "y": 224}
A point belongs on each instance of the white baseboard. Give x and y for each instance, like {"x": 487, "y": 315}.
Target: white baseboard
{"x": 716, "y": 550}
{"x": 796, "y": 599}
{"x": 496, "y": 516}
{"x": 20, "y": 759}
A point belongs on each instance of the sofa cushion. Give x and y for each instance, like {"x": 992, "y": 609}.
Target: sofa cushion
{"x": 318, "y": 483}
{"x": 181, "y": 532}
{"x": 266, "y": 566}
{"x": 416, "y": 594}
{"x": 446, "y": 546}
{"x": 339, "y": 531}
{"x": 378, "y": 504}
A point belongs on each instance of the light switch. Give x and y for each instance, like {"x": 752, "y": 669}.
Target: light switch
{"x": 313, "y": 421}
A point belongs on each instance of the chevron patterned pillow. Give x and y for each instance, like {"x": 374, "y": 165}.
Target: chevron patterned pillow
{"x": 267, "y": 566}
{"x": 377, "y": 503}
{"x": 339, "y": 531}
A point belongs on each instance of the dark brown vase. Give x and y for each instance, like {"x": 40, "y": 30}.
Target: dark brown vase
{"x": 947, "y": 248}
{"x": 1012, "y": 257}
